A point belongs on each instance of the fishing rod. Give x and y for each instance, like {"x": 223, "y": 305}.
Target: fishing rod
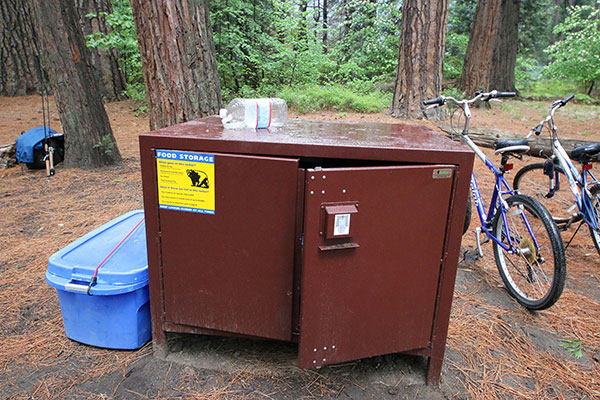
{"x": 48, "y": 150}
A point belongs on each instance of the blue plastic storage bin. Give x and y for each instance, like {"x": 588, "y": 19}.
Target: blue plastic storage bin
{"x": 117, "y": 315}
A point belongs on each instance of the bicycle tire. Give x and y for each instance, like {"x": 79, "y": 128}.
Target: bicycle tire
{"x": 468, "y": 214}
{"x": 534, "y": 276}
{"x": 595, "y": 192}
{"x": 531, "y": 181}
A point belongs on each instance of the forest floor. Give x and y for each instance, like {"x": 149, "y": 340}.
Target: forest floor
{"x": 495, "y": 348}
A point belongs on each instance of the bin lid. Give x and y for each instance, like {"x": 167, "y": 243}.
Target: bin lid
{"x": 72, "y": 267}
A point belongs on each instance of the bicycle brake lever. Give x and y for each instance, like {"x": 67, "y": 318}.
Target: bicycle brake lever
{"x": 432, "y": 106}
{"x": 495, "y": 100}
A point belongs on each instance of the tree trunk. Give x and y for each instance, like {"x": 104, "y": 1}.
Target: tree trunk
{"x": 422, "y": 41}
{"x": 476, "y": 71}
{"x": 178, "y": 58}
{"x": 89, "y": 141}
{"x": 348, "y": 13}
{"x": 325, "y": 26}
{"x": 557, "y": 17}
{"x": 105, "y": 62}
{"x": 539, "y": 146}
{"x": 19, "y": 54}
{"x": 504, "y": 60}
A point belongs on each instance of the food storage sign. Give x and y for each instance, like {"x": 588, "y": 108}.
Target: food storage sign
{"x": 186, "y": 181}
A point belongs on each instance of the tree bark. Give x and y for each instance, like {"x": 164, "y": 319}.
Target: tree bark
{"x": 19, "y": 54}
{"x": 476, "y": 71}
{"x": 422, "y": 41}
{"x": 178, "y": 58}
{"x": 325, "y": 26}
{"x": 89, "y": 141}
{"x": 504, "y": 60}
{"x": 105, "y": 62}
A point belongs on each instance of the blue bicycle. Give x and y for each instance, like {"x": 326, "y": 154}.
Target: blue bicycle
{"x": 528, "y": 249}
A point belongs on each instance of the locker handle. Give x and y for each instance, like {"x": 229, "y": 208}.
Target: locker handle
{"x": 339, "y": 246}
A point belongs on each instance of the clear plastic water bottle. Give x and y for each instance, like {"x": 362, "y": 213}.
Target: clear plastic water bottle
{"x": 254, "y": 113}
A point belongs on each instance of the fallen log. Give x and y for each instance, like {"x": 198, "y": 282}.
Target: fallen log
{"x": 540, "y": 146}
{"x": 8, "y": 155}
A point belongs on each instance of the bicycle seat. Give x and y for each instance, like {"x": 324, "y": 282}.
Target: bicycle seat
{"x": 516, "y": 146}
{"x": 584, "y": 153}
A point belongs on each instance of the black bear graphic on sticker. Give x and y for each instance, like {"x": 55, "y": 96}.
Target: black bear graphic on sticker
{"x": 199, "y": 178}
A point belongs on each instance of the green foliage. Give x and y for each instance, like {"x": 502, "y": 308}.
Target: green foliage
{"x": 577, "y": 56}
{"x": 453, "y": 92}
{"x": 460, "y": 16}
{"x": 122, "y": 37}
{"x": 106, "y": 145}
{"x": 311, "y": 98}
{"x": 549, "y": 88}
{"x": 574, "y": 346}
{"x": 265, "y": 44}
{"x": 366, "y": 43}
{"x": 527, "y": 71}
{"x": 456, "y": 48}
{"x": 535, "y": 28}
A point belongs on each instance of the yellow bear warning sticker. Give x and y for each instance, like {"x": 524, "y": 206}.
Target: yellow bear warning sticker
{"x": 186, "y": 181}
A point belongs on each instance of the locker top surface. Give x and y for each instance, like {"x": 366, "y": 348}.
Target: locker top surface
{"x": 311, "y": 138}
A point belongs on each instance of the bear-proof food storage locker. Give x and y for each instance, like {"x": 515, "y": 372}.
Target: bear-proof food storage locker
{"x": 342, "y": 237}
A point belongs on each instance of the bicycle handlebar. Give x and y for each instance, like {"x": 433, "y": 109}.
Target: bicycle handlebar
{"x": 565, "y": 101}
{"x": 440, "y": 100}
{"x": 494, "y": 94}
{"x": 506, "y": 94}
{"x": 555, "y": 106}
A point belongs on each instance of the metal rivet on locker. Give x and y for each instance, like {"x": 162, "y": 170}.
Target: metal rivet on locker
{"x": 343, "y": 190}
{"x": 324, "y": 177}
{"x": 322, "y": 192}
{"x": 312, "y": 192}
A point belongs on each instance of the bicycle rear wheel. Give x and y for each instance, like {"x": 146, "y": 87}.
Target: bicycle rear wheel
{"x": 531, "y": 181}
{"x": 534, "y": 269}
{"x": 595, "y": 192}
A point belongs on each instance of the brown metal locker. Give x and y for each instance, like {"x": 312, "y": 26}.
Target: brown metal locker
{"x": 342, "y": 237}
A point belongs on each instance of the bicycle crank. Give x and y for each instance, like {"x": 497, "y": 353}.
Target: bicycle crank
{"x": 486, "y": 239}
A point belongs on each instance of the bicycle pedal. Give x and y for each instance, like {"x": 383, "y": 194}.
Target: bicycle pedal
{"x": 478, "y": 239}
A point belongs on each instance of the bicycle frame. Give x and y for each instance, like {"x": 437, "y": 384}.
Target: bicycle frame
{"x": 574, "y": 178}
{"x": 501, "y": 188}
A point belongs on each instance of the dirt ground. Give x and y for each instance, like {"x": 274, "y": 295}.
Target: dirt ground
{"x": 496, "y": 349}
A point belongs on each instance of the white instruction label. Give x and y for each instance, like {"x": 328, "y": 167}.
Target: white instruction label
{"x": 341, "y": 225}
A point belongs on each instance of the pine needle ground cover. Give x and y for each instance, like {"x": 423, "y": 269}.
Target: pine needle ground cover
{"x": 495, "y": 348}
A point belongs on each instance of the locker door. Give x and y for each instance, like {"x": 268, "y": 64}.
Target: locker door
{"x": 233, "y": 271}
{"x": 373, "y": 243}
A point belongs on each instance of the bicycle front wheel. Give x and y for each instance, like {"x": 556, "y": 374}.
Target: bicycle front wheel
{"x": 533, "y": 269}
{"x": 531, "y": 181}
